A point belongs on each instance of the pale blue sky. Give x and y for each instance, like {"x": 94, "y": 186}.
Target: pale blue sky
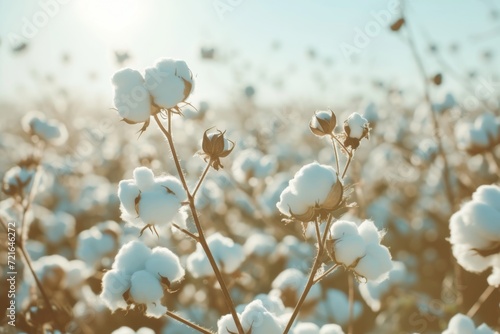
{"x": 89, "y": 31}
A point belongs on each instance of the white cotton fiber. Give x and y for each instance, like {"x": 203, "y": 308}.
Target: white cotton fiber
{"x": 131, "y": 97}
{"x": 376, "y": 263}
{"x": 331, "y": 329}
{"x": 145, "y": 287}
{"x": 163, "y": 262}
{"x": 132, "y": 257}
{"x": 114, "y": 285}
{"x": 357, "y": 125}
{"x": 169, "y": 82}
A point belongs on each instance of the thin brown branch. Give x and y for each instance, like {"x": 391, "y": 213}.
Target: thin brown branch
{"x": 187, "y": 323}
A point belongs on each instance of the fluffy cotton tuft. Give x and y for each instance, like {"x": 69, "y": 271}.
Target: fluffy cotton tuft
{"x": 475, "y": 233}
{"x": 260, "y": 245}
{"x": 164, "y": 263}
{"x": 255, "y": 319}
{"x": 359, "y": 247}
{"x": 149, "y": 200}
{"x": 480, "y": 136}
{"x": 228, "y": 255}
{"x": 145, "y": 287}
{"x": 357, "y": 126}
{"x": 311, "y": 186}
{"x": 253, "y": 163}
{"x": 170, "y": 82}
{"x": 462, "y": 324}
{"x": 131, "y": 98}
{"x": 293, "y": 281}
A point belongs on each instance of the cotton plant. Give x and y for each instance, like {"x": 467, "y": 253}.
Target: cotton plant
{"x": 97, "y": 243}
{"x": 255, "y": 319}
{"x": 312, "y": 328}
{"x": 138, "y": 278}
{"x": 478, "y": 137}
{"x": 475, "y": 233}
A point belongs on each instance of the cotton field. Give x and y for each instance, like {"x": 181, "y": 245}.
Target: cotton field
{"x": 239, "y": 167}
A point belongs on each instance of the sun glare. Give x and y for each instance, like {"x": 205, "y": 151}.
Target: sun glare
{"x": 111, "y": 17}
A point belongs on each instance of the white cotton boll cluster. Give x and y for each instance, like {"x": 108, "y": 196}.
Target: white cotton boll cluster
{"x": 335, "y": 308}
{"x": 356, "y": 126}
{"x": 255, "y": 319}
{"x": 313, "y": 186}
{"x": 142, "y": 272}
{"x": 227, "y": 254}
{"x": 253, "y": 163}
{"x": 293, "y": 281}
{"x": 49, "y": 130}
{"x": 462, "y": 324}
{"x": 149, "y": 200}
{"x": 170, "y": 82}
{"x": 131, "y": 97}
{"x": 359, "y": 248}
{"x": 475, "y": 233}
{"x": 260, "y": 244}
{"x": 94, "y": 244}
{"x": 58, "y": 227}
{"x": 480, "y": 136}
{"x": 373, "y": 292}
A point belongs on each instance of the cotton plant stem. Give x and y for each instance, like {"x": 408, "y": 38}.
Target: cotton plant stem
{"x": 349, "y": 155}
{"x": 201, "y": 236}
{"x": 310, "y": 281}
{"x": 477, "y": 305}
{"x": 187, "y": 323}
{"x": 200, "y": 181}
{"x": 336, "y": 154}
{"x": 350, "y": 280}
{"x": 326, "y": 273}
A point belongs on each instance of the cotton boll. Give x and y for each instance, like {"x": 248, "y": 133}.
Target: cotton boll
{"x": 174, "y": 186}
{"x": 306, "y": 328}
{"x": 488, "y": 194}
{"x": 494, "y": 277}
{"x": 92, "y": 246}
{"x": 155, "y": 309}
{"x": 164, "y": 263}
{"x": 145, "y": 287}
{"x": 291, "y": 203}
{"x": 313, "y": 182}
{"x": 484, "y": 217}
{"x": 123, "y": 330}
{"x": 76, "y": 273}
{"x": 484, "y": 329}
{"x": 226, "y": 325}
{"x": 169, "y": 82}
{"x": 114, "y": 284}
{"x": 127, "y": 193}
{"x": 487, "y": 123}
{"x": 257, "y": 318}
{"x": 462, "y": 233}
{"x": 271, "y": 303}
{"x": 469, "y": 259}
{"x": 131, "y": 97}
{"x": 460, "y": 324}
{"x": 376, "y": 263}
{"x": 144, "y": 178}
{"x": 293, "y": 280}
{"x": 132, "y": 257}
{"x": 343, "y": 228}
{"x": 348, "y": 249}
{"x": 357, "y": 125}
{"x": 260, "y": 245}
{"x": 369, "y": 232}
{"x": 158, "y": 206}
{"x": 331, "y": 329}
